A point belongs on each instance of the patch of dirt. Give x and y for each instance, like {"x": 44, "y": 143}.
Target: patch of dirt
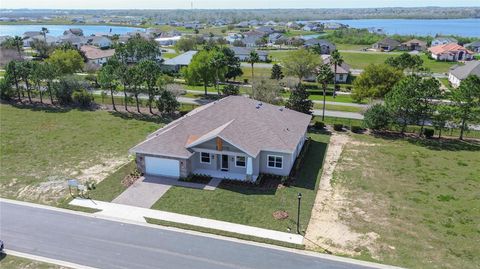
{"x": 326, "y": 230}
{"x": 280, "y": 214}
{"x": 55, "y": 188}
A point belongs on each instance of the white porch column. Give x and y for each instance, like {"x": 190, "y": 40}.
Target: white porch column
{"x": 249, "y": 168}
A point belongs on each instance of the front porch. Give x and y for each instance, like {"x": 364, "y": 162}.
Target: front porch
{"x": 224, "y": 174}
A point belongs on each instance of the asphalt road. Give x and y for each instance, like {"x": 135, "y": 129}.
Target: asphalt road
{"x": 108, "y": 244}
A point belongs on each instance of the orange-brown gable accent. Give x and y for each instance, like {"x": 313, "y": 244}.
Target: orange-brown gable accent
{"x": 219, "y": 144}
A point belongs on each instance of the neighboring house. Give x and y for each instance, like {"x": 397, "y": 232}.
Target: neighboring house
{"x": 266, "y": 30}
{"x": 29, "y": 34}
{"x": 443, "y": 41}
{"x": 326, "y": 47}
{"x": 100, "y": 41}
{"x": 74, "y": 31}
{"x": 414, "y": 44}
{"x": 459, "y": 73}
{"x": 176, "y": 63}
{"x": 235, "y": 138}
{"x": 451, "y": 52}
{"x": 97, "y": 56}
{"x": 343, "y": 70}
{"x": 50, "y": 40}
{"x": 474, "y": 46}
{"x": 274, "y": 37}
{"x": 76, "y": 41}
{"x": 386, "y": 44}
{"x": 244, "y": 53}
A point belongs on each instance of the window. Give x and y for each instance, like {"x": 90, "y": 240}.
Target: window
{"x": 275, "y": 161}
{"x": 240, "y": 161}
{"x": 204, "y": 157}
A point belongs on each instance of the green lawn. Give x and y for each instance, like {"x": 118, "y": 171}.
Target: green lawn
{"x": 41, "y": 148}
{"x": 351, "y": 47}
{"x": 252, "y": 205}
{"x": 258, "y": 72}
{"x": 169, "y": 55}
{"x": 420, "y": 196}
{"x": 14, "y": 262}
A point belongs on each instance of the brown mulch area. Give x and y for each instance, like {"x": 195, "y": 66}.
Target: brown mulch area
{"x": 280, "y": 214}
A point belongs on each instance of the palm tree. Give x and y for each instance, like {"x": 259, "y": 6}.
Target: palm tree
{"x": 15, "y": 42}
{"x": 325, "y": 75}
{"x": 336, "y": 59}
{"x": 44, "y": 32}
{"x": 253, "y": 58}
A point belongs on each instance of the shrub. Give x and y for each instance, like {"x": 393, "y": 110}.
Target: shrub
{"x": 428, "y": 133}
{"x": 6, "y": 91}
{"x": 82, "y": 98}
{"x": 356, "y": 129}
{"x": 230, "y": 90}
{"x": 319, "y": 125}
{"x": 377, "y": 117}
{"x": 338, "y": 127}
{"x": 245, "y": 80}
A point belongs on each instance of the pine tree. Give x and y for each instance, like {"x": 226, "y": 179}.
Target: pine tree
{"x": 277, "y": 72}
{"x": 299, "y": 101}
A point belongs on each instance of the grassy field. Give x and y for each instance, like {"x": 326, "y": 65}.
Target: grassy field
{"x": 420, "y": 197}
{"x": 258, "y": 72}
{"x": 14, "y": 262}
{"x": 41, "y": 148}
{"x": 169, "y": 55}
{"x": 252, "y": 205}
{"x": 351, "y": 47}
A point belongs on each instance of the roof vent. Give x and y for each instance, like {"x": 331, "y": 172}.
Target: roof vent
{"x": 281, "y": 109}
{"x": 258, "y": 106}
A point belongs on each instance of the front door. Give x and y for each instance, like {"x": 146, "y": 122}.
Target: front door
{"x": 224, "y": 164}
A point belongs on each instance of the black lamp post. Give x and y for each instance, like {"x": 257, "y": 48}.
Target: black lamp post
{"x": 298, "y": 212}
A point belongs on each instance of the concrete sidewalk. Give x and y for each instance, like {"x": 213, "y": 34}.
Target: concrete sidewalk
{"x": 139, "y": 214}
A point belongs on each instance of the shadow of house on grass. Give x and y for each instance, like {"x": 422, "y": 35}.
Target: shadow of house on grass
{"x": 312, "y": 164}
{"x": 438, "y": 144}
{"x": 41, "y": 107}
{"x": 141, "y": 117}
{"x": 306, "y": 177}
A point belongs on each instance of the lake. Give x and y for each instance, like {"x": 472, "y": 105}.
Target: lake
{"x": 57, "y": 30}
{"x": 460, "y": 27}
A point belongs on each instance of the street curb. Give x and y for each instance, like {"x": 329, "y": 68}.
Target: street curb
{"x": 47, "y": 260}
{"x": 213, "y": 236}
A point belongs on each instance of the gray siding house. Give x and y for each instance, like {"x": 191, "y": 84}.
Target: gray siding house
{"x": 235, "y": 138}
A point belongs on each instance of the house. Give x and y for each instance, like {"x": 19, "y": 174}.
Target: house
{"x": 176, "y": 63}
{"x": 265, "y": 30}
{"x": 459, "y": 73}
{"x": 326, "y": 47}
{"x": 95, "y": 55}
{"x": 386, "y": 44}
{"x": 443, "y": 41}
{"x": 29, "y": 34}
{"x": 414, "y": 44}
{"x": 450, "y": 52}
{"x": 343, "y": 70}
{"x": 74, "y": 31}
{"x": 244, "y": 53}
{"x": 100, "y": 41}
{"x": 50, "y": 40}
{"x": 74, "y": 40}
{"x": 474, "y": 46}
{"x": 235, "y": 138}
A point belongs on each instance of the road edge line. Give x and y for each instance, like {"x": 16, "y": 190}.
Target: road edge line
{"x": 209, "y": 235}
{"x": 47, "y": 260}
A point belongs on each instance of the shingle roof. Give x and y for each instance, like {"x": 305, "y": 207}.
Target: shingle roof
{"x": 343, "y": 68}
{"x": 470, "y": 68}
{"x": 389, "y": 41}
{"x": 246, "y": 51}
{"x": 238, "y": 120}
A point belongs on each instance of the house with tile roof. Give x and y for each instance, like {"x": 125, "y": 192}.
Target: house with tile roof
{"x": 97, "y": 56}
{"x": 413, "y": 44}
{"x": 450, "y": 52}
{"x": 235, "y": 137}
{"x": 459, "y": 73}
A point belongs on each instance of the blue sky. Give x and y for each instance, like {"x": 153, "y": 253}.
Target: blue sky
{"x": 225, "y": 4}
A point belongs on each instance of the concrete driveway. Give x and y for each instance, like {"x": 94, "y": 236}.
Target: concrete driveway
{"x": 143, "y": 193}
{"x": 148, "y": 189}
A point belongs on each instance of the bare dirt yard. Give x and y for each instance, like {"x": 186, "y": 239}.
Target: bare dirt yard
{"x": 399, "y": 200}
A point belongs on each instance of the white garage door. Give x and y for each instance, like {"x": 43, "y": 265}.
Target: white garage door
{"x": 162, "y": 167}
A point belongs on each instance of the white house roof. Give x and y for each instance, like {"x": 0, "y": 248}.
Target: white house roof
{"x": 182, "y": 59}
